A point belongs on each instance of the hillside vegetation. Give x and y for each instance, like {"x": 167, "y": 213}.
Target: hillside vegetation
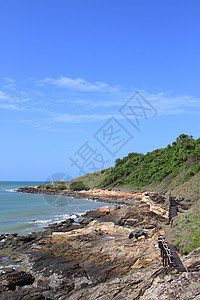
{"x": 180, "y": 161}
{"x": 175, "y": 168}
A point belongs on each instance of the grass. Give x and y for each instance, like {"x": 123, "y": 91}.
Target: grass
{"x": 189, "y": 189}
{"x": 185, "y": 233}
{"x": 194, "y": 243}
{"x": 92, "y": 180}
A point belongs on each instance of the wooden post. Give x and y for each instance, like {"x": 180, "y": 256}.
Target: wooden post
{"x": 163, "y": 259}
{"x": 160, "y": 244}
{"x": 171, "y": 260}
{"x": 168, "y": 256}
{"x": 165, "y": 252}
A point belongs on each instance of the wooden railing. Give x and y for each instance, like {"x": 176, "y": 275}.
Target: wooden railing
{"x": 172, "y": 209}
{"x": 168, "y": 253}
{"x": 167, "y": 257}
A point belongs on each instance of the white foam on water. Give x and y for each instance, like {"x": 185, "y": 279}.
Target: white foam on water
{"x": 73, "y": 216}
{"x": 61, "y": 217}
{"x": 42, "y": 221}
{"x": 57, "y": 218}
{"x": 91, "y": 200}
{"x": 11, "y": 190}
{"x": 80, "y": 214}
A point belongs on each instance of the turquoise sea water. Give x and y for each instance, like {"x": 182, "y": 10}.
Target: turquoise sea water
{"x": 25, "y": 213}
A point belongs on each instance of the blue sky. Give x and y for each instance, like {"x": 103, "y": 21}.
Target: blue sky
{"x": 85, "y": 82}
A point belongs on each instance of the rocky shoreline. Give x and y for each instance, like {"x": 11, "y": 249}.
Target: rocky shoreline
{"x": 95, "y": 258}
{"x": 112, "y": 196}
{"x": 101, "y": 195}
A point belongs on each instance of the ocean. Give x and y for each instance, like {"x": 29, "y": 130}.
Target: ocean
{"x": 25, "y": 213}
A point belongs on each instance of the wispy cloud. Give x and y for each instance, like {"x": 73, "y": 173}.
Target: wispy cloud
{"x": 11, "y": 107}
{"x": 72, "y": 118}
{"x": 4, "y": 96}
{"x": 66, "y": 100}
{"x": 80, "y": 84}
{"x": 168, "y": 104}
{"x": 115, "y": 96}
{"x": 92, "y": 104}
{"x": 9, "y": 83}
{"x": 8, "y": 79}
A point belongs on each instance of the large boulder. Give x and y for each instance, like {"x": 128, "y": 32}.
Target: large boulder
{"x": 137, "y": 233}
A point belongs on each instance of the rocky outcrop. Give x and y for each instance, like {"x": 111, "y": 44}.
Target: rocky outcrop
{"x": 96, "y": 260}
{"x": 10, "y": 281}
{"x": 103, "y": 195}
{"x": 159, "y": 209}
{"x": 184, "y": 286}
{"x": 137, "y": 215}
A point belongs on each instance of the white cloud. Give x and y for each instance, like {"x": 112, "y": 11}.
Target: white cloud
{"x": 71, "y": 118}
{"x": 74, "y": 103}
{"x": 12, "y": 102}
{"x": 9, "y": 80}
{"x": 11, "y": 106}
{"x": 164, "y": 103}
{"x": 9, "y": 83}
{"x": 168, "y": 104}
{"x": 81, "y": 84}
{"x": 4, "y": 96}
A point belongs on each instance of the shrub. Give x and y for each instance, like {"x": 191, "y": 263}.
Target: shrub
{"x": 194, "y": 169}
{"x": 79, "y": 186}
{"x": 41, "y": 186}
{"x": 50, "y": 187}
{"x": 61, "y": 187}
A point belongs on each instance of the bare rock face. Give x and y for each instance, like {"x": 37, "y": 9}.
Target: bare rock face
{"x": 181, "y": 286}
{"x": 97, "y": 260}
{"x": 137, "y": 215}
{"x": 105, "y": 210}
{"x": 159, "y": 209}
{"x": 192, "y": 261}
{"x": 11, "y": 280}
{"x": 74, "y": 261}
{"x": 99, "y": 254}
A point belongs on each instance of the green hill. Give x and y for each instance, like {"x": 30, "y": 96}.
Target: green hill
{"x": 158, "y": 165}
{"x": 169, "y": 168}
